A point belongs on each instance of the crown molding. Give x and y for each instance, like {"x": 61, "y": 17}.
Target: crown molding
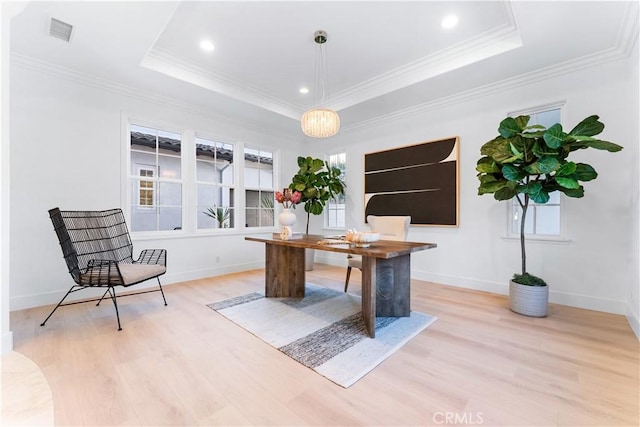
{"x": 164, "y": 62}
{"x": 613, "y": 54}
{"x": 485, "y": 45}
{"x": 628, "y": 34}
{"x": 30, "y": 63}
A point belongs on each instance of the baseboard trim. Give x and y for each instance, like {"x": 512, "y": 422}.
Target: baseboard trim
{"x": 48, "y": 298}
{"x": 555, "y": 297}
{"x": 573, "y": 300}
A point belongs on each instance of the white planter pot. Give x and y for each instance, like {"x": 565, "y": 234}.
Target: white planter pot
{"x": 528, "y": 300}
{"x": 308, "y": 259}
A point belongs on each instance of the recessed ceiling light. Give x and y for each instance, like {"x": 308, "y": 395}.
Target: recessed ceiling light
{"x": 449, "y": 21}
{"x": 304, "y": 90}
{"x": 207, "y": 45}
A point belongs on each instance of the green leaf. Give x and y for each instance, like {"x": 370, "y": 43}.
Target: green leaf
{"x": 487, "y": 165}
{"x": 585, "y": 172}
{"x": 602, "y": 145}
{"x": 491, "y": 186}
{"x": 566, "y": 169}
{"x": 498, "y": 149}
{"x": 537, "y": 193}
{"x": 504, "y": 193}
{"x": 567, "y": 182}
{"x": 522, "y": 122}
{"x": 512, "y": 173}
{"x": 316, "y": 165}
{"x": 554, "y": 137}
{"x": 573, "y": 192}
{"x": 509, "y": 127}
{"x": 487, "y": 178}
{"x": 545, "y": 165}
{"x": 588, "y": 127}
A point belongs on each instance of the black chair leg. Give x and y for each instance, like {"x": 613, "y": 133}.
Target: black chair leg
{"x": 165, "y": 300}
{"x": 103, "y": 295}
{"x": 112, "y": 293}
{"x": 72, "y": 289}
{"x": 346, "y": 282}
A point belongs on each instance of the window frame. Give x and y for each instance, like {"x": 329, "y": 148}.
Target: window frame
{"x": 188, "y": 179}
{"x": 531, "y": 211}
{"x": 328, "y": 209}
{"x": 128, "y": 178}
{"x": 218, "y": 185}
{"x": 259, "y": 188}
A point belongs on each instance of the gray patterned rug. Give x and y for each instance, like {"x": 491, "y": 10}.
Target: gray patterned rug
{"x": 324, "y": 330}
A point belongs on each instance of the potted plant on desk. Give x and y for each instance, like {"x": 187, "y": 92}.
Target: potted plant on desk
{"x": 529, "y": 163}
{"x": 318, "y": 183}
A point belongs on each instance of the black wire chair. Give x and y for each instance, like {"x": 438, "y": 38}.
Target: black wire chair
{"x": 98, "y": 251}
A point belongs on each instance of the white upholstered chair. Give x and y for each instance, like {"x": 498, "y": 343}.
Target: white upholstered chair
{"x": 389, "y": 227}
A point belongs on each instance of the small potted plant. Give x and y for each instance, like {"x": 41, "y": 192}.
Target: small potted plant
{"x": 529, "y": 163}
{"x": 317, "y": 182}
{"x": 221, "y": 215}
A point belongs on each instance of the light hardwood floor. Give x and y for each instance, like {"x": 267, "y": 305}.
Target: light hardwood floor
{"x": 184, "y": 364}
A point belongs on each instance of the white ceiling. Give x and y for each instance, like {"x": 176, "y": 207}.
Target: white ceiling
{"x": 382, "y": 56}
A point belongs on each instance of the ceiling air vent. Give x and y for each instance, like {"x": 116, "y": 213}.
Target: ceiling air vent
{"x": 60, "y": 30}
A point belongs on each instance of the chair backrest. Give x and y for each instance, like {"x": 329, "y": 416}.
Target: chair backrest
{"x": 390, "y": 227}
{"x": 86, "y": 236}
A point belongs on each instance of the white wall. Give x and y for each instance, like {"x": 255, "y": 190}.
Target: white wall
{"x": 66, "y": 152}
{"x": 633, "y": 306}
{"x": 598, "y": 268}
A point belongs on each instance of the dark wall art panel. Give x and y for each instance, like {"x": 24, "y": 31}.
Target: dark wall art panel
{"x": 419, "y": 180}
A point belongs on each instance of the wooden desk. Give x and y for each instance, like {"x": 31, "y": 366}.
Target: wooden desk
{"x": 386, "y": 271}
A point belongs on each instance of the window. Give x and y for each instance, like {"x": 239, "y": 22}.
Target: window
{"x": 214, "y": 184}
{"x": 259, "y": 188}
{"x": 155, "y": 179}
{"x": 197, "y": 183}
{"x": 336, "y": 207}
{"x": 542, "y": 219}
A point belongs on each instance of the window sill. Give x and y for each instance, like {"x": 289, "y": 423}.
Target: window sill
{"x": 540, "y": 239}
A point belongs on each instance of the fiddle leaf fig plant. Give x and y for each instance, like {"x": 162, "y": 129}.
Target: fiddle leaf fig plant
{"x": 529, "y": 162}
{"x": 318, "y": 182}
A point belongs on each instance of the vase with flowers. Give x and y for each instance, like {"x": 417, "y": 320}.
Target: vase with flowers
{"x": 287, "y": 219}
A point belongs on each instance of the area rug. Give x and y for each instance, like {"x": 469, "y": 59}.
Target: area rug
{"x": 323, "y": 331}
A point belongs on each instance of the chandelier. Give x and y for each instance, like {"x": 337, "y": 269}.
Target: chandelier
{"x": 320, "y": 122}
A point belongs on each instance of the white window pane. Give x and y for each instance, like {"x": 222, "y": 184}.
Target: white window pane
{"x": 252, "y": 198}
{"x": 170, "y": 167}
{"x": 170, "y": 194}
{"x": 143, "y": 129}
{"x": 143, "y": 219}
{"x": 548, "y": 220}
{"x": 548, "y": 118}
{"x": 266, "y": 178}
{"x": 169, "y": 135}
{"x": 208, "y": 196}
{"x": 226, "y": 174}
{"x": 170, "y": 218}
{"x": 206, "y": 171}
